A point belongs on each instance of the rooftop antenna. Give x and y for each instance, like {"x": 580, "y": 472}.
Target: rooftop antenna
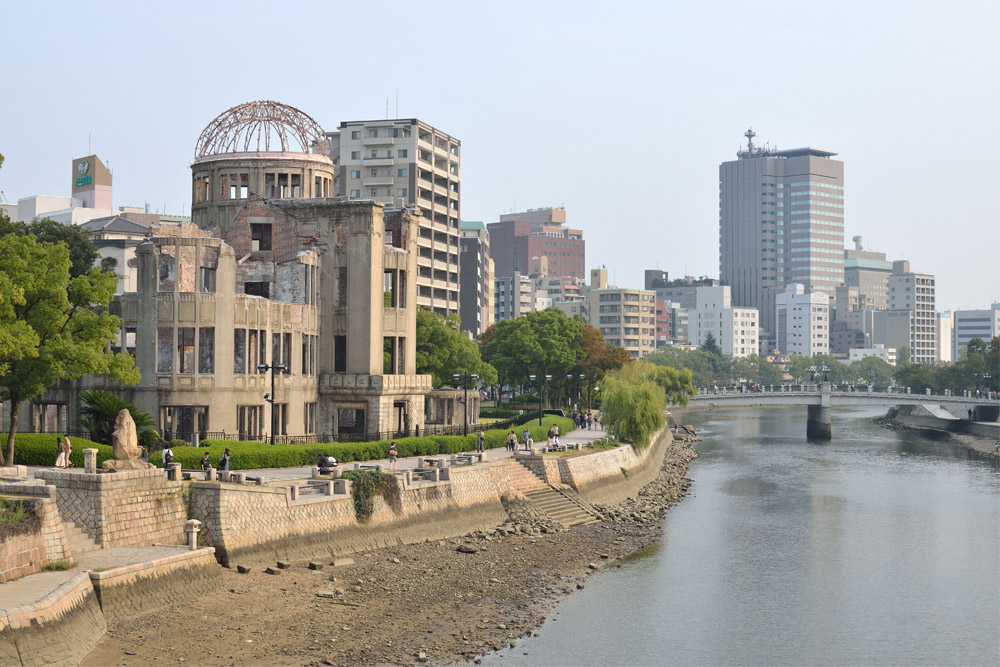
{"x": 387, "y": 108}
{"x": 88, "y": 143}
{"x": 397, "y": 103}
{"x": 750, "y": 134}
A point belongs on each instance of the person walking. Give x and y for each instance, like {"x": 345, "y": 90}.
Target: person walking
{"x": 393, "y": 455}
{"x": 224, "y": 461}
{"x": 525, "y": 434}
{"x": 168, "y": 456}
{"x": 480, "y": 440}
{"x": 61, "y": 457}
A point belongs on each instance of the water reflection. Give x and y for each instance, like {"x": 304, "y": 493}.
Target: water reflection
{"x": 880, "y": 547}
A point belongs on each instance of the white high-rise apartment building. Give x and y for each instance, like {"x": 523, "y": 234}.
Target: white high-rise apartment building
{"x": 406, "y": 162}
{"x": 736, "y": 330}
{"x": 781, "y": 221}
{"x": 802, "y": 321}
{"x": 915, "y": 292}
{"x": 514, "y": 296}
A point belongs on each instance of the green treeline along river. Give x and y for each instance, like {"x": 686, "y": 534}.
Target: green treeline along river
{"x": 879, "y": 548}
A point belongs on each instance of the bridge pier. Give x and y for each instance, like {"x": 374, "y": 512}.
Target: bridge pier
{"x": 818, "y": 423}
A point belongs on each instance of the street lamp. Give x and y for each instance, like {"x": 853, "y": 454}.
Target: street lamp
{"x": 263, "y": 368}
{"x": 817, "y": 370}
{"x": 578, "y": 377}
{"x": 542, "y": 379}
{"x": 465, "y": 402}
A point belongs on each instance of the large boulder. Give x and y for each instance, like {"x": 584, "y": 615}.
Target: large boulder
{"x": 126, "y": 446}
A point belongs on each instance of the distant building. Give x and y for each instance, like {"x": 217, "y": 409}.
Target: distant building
{"x": 518, "y": 238}
{"x": 735, "y": 330}
{"x": 946, "y": 335}
{"x": 626, "y": 318}
{"x": 868, "y": 272}
{"x": 662, "y": 324}
{"x": 475, "y": 278}
{"x": 969, "y": 324}
{"x": 781, "y": 221}
{"x": 803, "y": 321}
{"x": 915, "y": 293}
{"x": 513, "y": 296}
{"x": 887, "y": 355}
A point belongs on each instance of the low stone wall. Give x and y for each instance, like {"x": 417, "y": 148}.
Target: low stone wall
{"x": 44, "y": 543}
{"x": 125, "y": 592}
{"x": 60, "y": 629}
{"x": 132, "y": 508}
{"x": 257, "y": 524}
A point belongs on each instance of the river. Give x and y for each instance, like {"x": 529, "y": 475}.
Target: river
{"x": 879, "y": 548}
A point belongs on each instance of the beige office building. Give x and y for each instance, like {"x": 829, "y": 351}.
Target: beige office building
{"x": 405, "y": 162}
{"x": 916, "y": 292}
{"x": 626, "y": 318}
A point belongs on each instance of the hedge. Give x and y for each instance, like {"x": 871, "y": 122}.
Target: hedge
{"x": 254, "y": 455}
{"x": 41, "y": 449}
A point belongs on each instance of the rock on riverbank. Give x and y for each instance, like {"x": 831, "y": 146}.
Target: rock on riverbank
{"x": 437, "y": 602}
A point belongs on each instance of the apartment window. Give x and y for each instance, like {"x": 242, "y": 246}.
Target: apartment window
{"x": 402, "y": 152}
{"x": 355, "y": 193}
{"x": 355, "y": 134}
{"x": 402, "y": 173}
{"x": 355, "y": 155}
{"x": 373, "y": 172}
{"x": 373, "y": 132}
{"x": 355, "y": 173}
{"x": 401, "y": 192}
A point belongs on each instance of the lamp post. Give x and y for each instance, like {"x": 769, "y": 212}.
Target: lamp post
{"x": 263, "y": 368}
{"x": 578, "y": 377}
{"x": 542, "y": 379}
{"x": 465, "y": 402}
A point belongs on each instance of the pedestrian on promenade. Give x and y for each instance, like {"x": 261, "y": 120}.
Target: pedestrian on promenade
{"x": 168, "y": 456}
{"x": 393, "y": 455}
{"x": 480, "y": 440}
{"x": 511, "y": 442}
{"x": 224, "y": 461}
{"x": 61, "y": 448}
{"x": 528, "y": 443}
{"x": 525, "y": 434}
{"x": 205, "y": 463}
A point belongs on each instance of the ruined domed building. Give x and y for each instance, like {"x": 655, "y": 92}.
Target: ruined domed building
{"x": 274, "y": 273}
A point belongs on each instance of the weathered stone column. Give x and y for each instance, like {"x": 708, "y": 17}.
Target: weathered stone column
{"x": 192, "y": 528}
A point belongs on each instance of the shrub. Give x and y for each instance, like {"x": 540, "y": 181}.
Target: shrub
{"x": 177, "y": 442}
{"x": 41, "y": 449}
{"x": 147, "y": 437}
{"x": 365, "y": 484}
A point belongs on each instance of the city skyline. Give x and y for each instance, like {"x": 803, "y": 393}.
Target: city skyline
{"x": 622, "y": 121}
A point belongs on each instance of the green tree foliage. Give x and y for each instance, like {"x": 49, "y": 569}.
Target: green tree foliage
{"x": 443, "y": 350}
{"x": 978, "y": 361}
{"x": 711, "y": 346}
{"x": 872, "y": 371}
{"x": 708, "y": 369}
{"x": 634, "y": 403}
{"x": 82, "y": 253}
{"x": 55, "y": 327}
{"x": 676, "y": 383}
{"x": 100, "y": 412}
{"x": 540, "y": 343}
{"x": 903, "y": 356}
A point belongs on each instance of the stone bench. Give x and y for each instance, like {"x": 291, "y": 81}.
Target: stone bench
{"x": 466, "y": 459}
{"x": 431, "y": 474}
{"x": 434, "y": 462}
{"x": 368, "y": 466}
{"x": 322, "y": 470}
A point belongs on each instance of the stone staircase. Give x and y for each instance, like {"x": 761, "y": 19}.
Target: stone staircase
{"x": 560, "y": 507}
{"x": 78, "y": 540}
{"x": 555, "y": 504}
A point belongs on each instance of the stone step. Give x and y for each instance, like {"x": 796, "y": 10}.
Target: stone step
{"x": 560, "y": 508}
{"x": 78, "y": 540}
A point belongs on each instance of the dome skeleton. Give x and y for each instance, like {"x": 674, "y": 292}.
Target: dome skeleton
{"x": 244, "y": 128}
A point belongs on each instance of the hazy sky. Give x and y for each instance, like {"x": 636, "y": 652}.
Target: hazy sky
{"x": 620, "y": 111}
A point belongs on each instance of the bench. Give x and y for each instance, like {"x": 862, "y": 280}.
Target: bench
{"x": 466, "y": 459}
{"x": 368, "y": 466}
{"x": 433, "y": 462}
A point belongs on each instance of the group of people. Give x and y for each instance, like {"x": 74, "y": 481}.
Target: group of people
{"x": 205, "y": 463}
{"x": 584, "y": 420}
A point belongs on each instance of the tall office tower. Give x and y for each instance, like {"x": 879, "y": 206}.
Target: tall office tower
{"x": 476, "y": 278}
{"x": 541, "y": 232}
{"x": 781, "y": 221}
{"x": 802, "y": 321}
{"x": 406, "y": 162}
{"x": 915, "y": 292}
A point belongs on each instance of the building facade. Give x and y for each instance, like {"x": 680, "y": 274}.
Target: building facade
{"x": 513, "y": 296}
{"x": 781, "y": 221}
{"x": 969, "y": 324}
{"x": 518, "y": 238}
{"x": 405, "y": 162}
{"x": 915, "y": 293}
{"x": 476, "y": 278}
{"x": 626, "y": 318}
{"x": 735, "y": 330}
{"x": 802, "y": 321}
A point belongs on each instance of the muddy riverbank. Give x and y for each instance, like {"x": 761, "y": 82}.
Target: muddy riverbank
{"x": 439, "y": 602}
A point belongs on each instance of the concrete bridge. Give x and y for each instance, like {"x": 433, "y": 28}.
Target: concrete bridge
{"x": 818, "y": 400}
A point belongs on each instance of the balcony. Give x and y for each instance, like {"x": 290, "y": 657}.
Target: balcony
{"x": 374, "y": 181}
{"x": 378, "y": 141}
{"x": 382, "y": 161}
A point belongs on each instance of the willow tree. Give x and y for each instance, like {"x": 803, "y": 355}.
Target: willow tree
{"x": 634, "y": 403}
{"x": 52, "y": 327}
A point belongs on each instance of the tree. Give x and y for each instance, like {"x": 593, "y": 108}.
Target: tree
{"x": 57, "y": 327}
{"x": 540, "y": 343}
{"x": 676, "y": 383}
{"x": 872, "y": 371}
{"x": 633, "y": 403}
{"x": 903, "y": 356}
{"x": 711, "y": 346}
{"x": 82, "y": 252}
{"x": 100, "y": 413}
{"x": 443, "y": 350}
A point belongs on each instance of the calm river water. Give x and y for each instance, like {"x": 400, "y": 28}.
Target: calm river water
{"x": 880, "y": 548}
